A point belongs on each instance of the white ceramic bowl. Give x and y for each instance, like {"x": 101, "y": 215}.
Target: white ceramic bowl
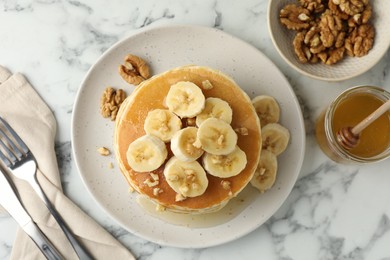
{"x": 347, "y": 68}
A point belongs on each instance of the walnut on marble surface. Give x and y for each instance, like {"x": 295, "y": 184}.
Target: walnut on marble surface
{"x": 360, "y": 41}
{"x": 134, "y": 70}
{"x": 110, "y": 102}
{"x": 295, "y": 17}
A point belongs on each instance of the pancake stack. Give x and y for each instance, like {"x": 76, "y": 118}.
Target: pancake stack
{"x": 189, "y": 139}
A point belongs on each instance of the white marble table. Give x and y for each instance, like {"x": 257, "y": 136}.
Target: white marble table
{"x": 334, "y": 211}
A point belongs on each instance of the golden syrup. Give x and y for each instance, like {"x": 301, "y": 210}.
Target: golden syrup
{"x": 350, "y": 108}
{"x": 234, "y": 207}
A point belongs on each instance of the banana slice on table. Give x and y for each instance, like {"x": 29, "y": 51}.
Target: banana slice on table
{"x": 162, "y": 123}
{"x": 216, "y": 137}
{"x": 182, "y": 145}
{"x": 185, "y": 99}
{"x": 217, "y": 108}
{"x": 265, "y": 174}
{"x": 275, "y": 138}
{"x": 225, "y": 166}
{"x": 146, "y": 153}
{"x": 186, "y": 178}
{"x": 267, "y": 109}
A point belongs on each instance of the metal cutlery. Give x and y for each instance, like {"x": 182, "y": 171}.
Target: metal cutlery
{"x": 11, "y": 203}
{"x": 22, "y": 164}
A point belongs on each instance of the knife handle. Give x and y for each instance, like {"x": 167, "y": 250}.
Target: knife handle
{"x": 49, "y": 251}
{"x": 11, "y": 203}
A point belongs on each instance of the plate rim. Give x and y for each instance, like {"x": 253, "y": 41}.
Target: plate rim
{"x": 158, "y": 240}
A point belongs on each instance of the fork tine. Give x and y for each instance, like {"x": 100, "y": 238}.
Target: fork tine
{"x": 11, "y": 156}
{"x": 5, "y": 159}
{"x": 15, "y": 149}
{"x": 16, "y": 136}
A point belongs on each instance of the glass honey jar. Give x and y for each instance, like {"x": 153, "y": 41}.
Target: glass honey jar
{"x": 347, "y": 110}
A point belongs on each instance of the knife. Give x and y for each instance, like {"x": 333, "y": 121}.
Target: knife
{"x": 11, "y": 203}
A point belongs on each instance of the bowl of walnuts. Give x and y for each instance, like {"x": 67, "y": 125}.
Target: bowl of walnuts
{"x": 330, "y": 40}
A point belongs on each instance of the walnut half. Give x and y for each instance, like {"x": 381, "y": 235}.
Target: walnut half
{"x": 134, "y": 70}
{"x": 110, "y": 102}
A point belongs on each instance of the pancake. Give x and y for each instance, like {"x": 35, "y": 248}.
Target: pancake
{"x": 150, "y": 95}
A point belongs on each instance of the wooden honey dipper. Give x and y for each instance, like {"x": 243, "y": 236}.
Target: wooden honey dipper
{"x": 348, "y": 137}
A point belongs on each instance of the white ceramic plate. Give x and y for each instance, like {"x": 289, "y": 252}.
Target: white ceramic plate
{"x": 347, "y": 68}
{"x": 165, "y": 48}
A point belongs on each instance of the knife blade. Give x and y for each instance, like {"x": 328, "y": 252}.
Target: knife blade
{"x": 11, "y": 203}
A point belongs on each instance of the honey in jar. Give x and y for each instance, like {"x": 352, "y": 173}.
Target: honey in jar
{"x": 350, "y": 108}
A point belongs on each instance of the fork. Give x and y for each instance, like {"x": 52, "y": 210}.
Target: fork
{"x": 22, "y": 164}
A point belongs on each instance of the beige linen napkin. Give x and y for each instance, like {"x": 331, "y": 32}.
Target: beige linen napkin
{"x": 32, "y": 119}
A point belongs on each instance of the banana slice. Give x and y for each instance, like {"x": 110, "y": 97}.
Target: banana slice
{"x": 275, "y": 138}
{"x": 265, "y": 174}
{"x": 182, "y": 145}
{"x": 216, "y": 137}
{"x": 267, "y": 109}
{"x": 185, "y": 99}
{"x": 146, "y": 153}
{"x": 162, "y": 123}
{"x": 217, "y": 108}
{"x": 225, "y": 166}
{"x": 186, "y": 178}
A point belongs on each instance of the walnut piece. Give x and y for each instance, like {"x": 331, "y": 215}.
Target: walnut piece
{"x": 134, "y": 70}
{"x": 110, "y": 102}
{"x": 314, "y": 6}
{"x": 330, "y": 28}
{"x": 226, "y": 185}
{"x": 360, "y": 41}
{"x": 206, "y": 84}
{"x": 351, "y": 7}
{"x": 242, "y": 131}
{"x": 295, "y": 17}
{"x": 103, "y": 151}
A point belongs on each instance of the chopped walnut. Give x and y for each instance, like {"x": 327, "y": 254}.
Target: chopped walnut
{"x": 360, "y": 18}
{"x": 150, "y": 182}
{"x": 160, "y": 208}
{"x": 206, "y": 84}
{"x": 134, "y": 70}
{"x": 226, "y": 185}
{"x": 110, "y": 165}
{"x": 242, "y": 131}
{"x": 295, "y": 17}
{"x": 154, "y": 176}
{"x": 110, "y": 102}
{"x": 179, "y": 197}
{"x": 103, "y": 151}
{"x": 191, "y": 121}
{"x": 360, "y": 41}
{"x": 157, "y": 191}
